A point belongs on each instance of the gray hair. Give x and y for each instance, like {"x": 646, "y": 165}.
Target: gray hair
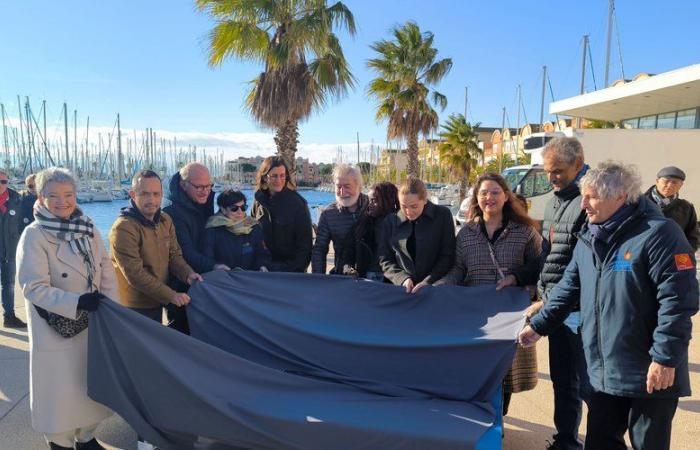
{"x": 610, "y": 179}
{"x": 342, "y": 170}
{"x": 189, "y": 167}
{"x": 567, "y": 149}
{"x": 54, "y": 175}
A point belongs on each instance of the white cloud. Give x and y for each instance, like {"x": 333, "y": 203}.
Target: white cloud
{"x": 231, "y": 144}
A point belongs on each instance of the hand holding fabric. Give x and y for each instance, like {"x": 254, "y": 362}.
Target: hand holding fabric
{"x": 528, "y": 337}
{"x": 89, "y": 301}
{"x": 194, "y": 276}
{"x": 220, "y": 267}
{"x": 408, "y": 284}
{"x": 180, "y": 299}
{"x": 510, "y": 280}
{"x": 419, "y": 286}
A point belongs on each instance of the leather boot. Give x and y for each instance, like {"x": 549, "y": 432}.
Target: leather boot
{"x": 92, "y": 444}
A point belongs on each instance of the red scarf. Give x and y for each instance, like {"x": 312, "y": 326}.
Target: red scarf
{"x": 3, "y": 199}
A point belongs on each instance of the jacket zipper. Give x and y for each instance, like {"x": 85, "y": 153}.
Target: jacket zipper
{"x": 598, "y": 309}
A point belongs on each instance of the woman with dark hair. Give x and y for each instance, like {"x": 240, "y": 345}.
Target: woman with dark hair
{"x": 499, "y": 245}
{"x": 418, "y": 242}
{"x": 360, "y": 256}
{"x": 284, "y": 217}
{"x": 234, "y": 239}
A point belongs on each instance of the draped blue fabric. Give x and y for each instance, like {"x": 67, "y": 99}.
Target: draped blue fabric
{"x": 294, "y": 361}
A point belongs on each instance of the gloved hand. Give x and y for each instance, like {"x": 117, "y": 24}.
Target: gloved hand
{"x": 89, "y": 301}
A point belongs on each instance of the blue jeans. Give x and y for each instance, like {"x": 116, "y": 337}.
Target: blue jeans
{"x": 567, "y": 366}
{"x": 7, "y": 280}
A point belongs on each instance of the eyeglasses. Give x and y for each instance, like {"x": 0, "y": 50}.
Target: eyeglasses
{"x": 201, "y": 187}
{"x": 236, "y": 208}
{"x": 4, "y": 181}
{"x": 485, "y": 192}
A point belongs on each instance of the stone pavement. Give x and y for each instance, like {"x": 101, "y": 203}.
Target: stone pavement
{"x": 528, "y": 426}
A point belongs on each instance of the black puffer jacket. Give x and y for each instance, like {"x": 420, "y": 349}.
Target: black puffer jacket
{"x": 563, "y": 219}
{"x": 286, "y": 225}
{"x": 683, "y": 213}
{"x": 190, "y": 220}
{"x": 10, "y": 227}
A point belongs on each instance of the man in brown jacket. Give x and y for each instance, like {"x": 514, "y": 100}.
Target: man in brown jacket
{"x": 145, "y": 251}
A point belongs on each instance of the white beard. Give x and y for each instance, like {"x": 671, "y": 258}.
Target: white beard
{"x": 348, "y": 201}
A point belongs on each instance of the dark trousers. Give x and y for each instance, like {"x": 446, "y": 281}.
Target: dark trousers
{"x": 648, "y": 421}
{"x": 152, "y": 313}
{"x": 7, "y": 281}
{"x": 567, "y": 367}
{"x": 177, "y": 318}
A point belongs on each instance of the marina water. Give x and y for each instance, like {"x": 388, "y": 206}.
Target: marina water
{"x": 104, "y": 214}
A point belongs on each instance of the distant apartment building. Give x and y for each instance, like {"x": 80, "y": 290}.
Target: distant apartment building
{"x": 308, "y": 173}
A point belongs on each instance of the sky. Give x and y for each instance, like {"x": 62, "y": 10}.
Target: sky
{"x": 147, "y": 61}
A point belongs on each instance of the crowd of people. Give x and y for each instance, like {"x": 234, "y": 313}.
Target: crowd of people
{"x": 612, "y": 280}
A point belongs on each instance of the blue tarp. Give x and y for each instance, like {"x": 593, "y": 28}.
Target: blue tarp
{"x": 294, "y": 361}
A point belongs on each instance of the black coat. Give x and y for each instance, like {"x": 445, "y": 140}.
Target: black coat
{"x": 245, "y": 251}
{"x": 435, "y": 246}
{"x": 683, "y": 213}
{"x": 27, "y": 199}
{"x": 286, "y": 225}
{"x": 563, "y": 219}
{"x": 10, "y": 227}
{"x": 361, "y": 253}
{"x": 190, "y": 220}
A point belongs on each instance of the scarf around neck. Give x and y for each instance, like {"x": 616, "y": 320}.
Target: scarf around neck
{"x": 237, "y": 227}
{"x": 4, "y": 197}
{"x": 77, "y": 231}
{"x": 660, "y": 199}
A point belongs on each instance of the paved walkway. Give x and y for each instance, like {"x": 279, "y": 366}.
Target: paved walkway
{"x": 527, "y": 427}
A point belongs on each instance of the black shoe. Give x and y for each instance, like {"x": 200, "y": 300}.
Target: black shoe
{"x": 13, "y": 322}
{"x": 53, "y": 446}
{"x": 89, "y": 445}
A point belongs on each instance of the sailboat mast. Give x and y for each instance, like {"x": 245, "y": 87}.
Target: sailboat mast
{"x": 65, "y": 129}
{"x": 544, "y": 82}
{"x": 583, "y": 73}
{"x": 120, "y": 156}
{"x": 611, "y": 12}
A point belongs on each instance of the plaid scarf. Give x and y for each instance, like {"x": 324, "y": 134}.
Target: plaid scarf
{"x": 77, "y": 231}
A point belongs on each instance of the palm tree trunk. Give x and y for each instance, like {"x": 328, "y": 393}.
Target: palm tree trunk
{"x": 286, "y": 138}
{"x": 413, "y": 166}
{"x": 464, "y": 182}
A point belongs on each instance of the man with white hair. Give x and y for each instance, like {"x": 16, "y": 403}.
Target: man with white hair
{"x": 634, "y": 272}
{"x": 338, "y": 218}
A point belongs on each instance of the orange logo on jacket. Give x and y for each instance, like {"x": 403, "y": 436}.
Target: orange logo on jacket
{"x": 684, "y": 261}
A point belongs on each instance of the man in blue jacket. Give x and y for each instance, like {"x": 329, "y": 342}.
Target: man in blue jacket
{"x": 192, "y": 203}
{"x": 634, "y": 273}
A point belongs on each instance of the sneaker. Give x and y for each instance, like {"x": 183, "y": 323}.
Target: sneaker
{"x": 13, "y": 322}
{"x": 92, "y": 444}
{"x": 143, "y": 445}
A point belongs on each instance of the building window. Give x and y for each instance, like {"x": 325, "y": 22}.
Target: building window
{"x": 647, "y": 122}
{"x": 667, "y": 120}
{"x": 630, "y": 123}
{"x": 686, "y": 119}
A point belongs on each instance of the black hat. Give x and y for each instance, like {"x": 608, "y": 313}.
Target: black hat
{"x": 671, "y": 172}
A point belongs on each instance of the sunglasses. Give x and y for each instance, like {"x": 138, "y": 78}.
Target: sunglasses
{"x": 4, "y": 181}
{"x": 236, "y": 208}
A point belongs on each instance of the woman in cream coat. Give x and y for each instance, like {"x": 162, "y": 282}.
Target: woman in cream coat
{"x": 61, "y": 261}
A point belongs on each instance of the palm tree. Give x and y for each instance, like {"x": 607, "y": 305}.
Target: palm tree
{"x": 460, "y": 149}
{"x": 304, "y": 63}
{"x": 407, "y": 69}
